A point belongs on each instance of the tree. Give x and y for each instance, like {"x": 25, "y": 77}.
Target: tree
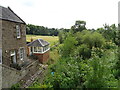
{"x": 117, "y": 67}
{"x": 68, "y": 46}
{"x": 92, "y": 39}
{"x": 79, "y": 26}
{"x": 41, "y": 30}
{"x": 83, "y": 51}
{"x": 109, "y": 32}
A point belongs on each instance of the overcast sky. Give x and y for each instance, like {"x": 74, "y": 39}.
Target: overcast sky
{"x": 64, "y": 13}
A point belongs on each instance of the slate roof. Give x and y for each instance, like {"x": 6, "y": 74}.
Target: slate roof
{"x": 8, "y": 14}
{"x": 38, "y": 43}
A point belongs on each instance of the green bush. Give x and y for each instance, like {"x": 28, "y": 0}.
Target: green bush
{"x": 83, "y": 51}
{"x": 15, "y": 86}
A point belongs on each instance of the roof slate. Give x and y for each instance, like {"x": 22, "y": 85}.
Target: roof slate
{"x": 38, "y": 43}
{"x": 8, "y": 14}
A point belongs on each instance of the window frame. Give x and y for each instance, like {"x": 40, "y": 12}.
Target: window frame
{"x": 13, "y": 54}
{"x": 37, "y": 49}
{"x": 43, "y": 49}
{"x": 18, "y": 33}
{"x": 21, "y": 54}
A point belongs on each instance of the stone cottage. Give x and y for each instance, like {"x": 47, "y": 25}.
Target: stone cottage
{"x": 13, "y": 38}
{"x": 14, "y": 64}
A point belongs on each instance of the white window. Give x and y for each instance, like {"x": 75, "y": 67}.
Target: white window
{"x": 18, "y": 31}
{"x": 21, "y": 53}
{"x": 37, "y": 49}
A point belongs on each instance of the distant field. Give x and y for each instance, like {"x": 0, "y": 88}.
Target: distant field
{"x": 50, "y": 39}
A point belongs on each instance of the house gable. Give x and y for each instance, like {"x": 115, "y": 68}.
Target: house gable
{"x": 9, "y": 15}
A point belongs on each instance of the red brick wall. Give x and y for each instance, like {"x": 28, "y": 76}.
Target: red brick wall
{"x": 28, "y": 51}
{"x": 43, "y": 58}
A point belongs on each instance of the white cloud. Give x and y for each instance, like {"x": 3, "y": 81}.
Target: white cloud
{"x": 63, "y": 13}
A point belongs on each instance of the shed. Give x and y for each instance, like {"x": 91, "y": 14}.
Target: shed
{"x": 39, "y": 48}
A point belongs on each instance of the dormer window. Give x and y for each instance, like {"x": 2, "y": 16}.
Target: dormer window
{"x": 18, "y": 31}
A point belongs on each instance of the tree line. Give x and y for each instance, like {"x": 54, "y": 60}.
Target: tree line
{"x": 41, "y": 30}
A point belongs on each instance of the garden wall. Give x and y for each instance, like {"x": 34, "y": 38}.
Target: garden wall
{"x": 11, "y": 76}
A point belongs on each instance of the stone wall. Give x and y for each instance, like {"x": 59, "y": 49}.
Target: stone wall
{"x": 0, "y": 51}
{"x": 0, "y": 76}
{"x": 11, "y": 76}
{"x": 0, "y": 33}
{"x": 11, "y": 42}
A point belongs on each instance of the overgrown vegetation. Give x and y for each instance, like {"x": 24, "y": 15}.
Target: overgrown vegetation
{"x": 88, "y": 58}
{"x": 15, "y": 86}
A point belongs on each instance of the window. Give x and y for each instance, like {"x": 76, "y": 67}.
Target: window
{"x": 18, "y": 31}
{"x": 13, "y": 56}
{"x": 21, "y": 52}
{"x": 40, "y": 49}
{"x": 37, "y": 49}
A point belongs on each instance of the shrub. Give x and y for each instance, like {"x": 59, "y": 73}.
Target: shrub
{"x": 15, "y": 86}
{"x": 83, "y": 51}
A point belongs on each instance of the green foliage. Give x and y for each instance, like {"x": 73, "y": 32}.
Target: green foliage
{"x": 95, "y": 78}
{"x": 41, "y": 30}
{"x": 117, "y": 39}
{"x": 83, "y": 51}
{"x": 15, "y": 86}
{"x": 39, "y": 85}
{"x": 109, "y": 32}
{"x": 117, "y": 67}
{"x": 97, "y": 51}
{"x": 79, "y": 26}
{"x": 101, "y": 73}
{"x": 62, "y": 36}
{"x": 67, "y": 74}
{"x": 98, "y": 40}
{"x": 92, "y": 39}
{"x": 110, "y": 45}
{"x": 68, "y": 47}
{"x": 88, "y": 59}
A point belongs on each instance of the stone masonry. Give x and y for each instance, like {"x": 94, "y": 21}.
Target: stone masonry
{"x": 10, "y": 42}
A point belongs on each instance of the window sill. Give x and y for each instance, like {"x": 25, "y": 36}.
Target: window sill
{"x": 18, "y": 37}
